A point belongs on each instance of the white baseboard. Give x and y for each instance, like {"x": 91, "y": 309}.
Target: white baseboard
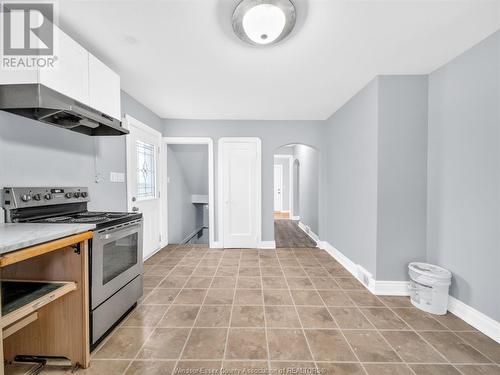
{"x": 475, "y": 318}
{"x": 295, "y": 217}
{"x": 217, "y": 245}
{"x": 267, "y": 245}
{"x": 309, "y": 232}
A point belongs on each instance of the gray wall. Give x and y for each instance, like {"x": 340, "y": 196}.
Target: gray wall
{"x": 464, "y": 174}
{"x": 32, "y": 153}
{"x": 184, "y": 179}
{"x": 402, "y": 174}
{"x": 308, "y": 183}
{"x": 273, "y": 135}
{"x": 351, "y": 178}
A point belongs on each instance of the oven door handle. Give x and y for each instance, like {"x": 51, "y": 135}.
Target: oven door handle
{"x": 119, "y": 232}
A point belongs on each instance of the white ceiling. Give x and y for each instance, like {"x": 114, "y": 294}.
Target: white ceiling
{"x": 181, "y": 59}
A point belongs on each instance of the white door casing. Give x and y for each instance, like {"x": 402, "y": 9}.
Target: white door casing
{"x": 240, "y": 192}
{"x": 146, "y": 200}
{"x": 211, "y": 206}
{"x": 278, "y": 187}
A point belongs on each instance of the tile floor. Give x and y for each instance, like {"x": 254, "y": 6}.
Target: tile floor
{"x": 285, "y": 311}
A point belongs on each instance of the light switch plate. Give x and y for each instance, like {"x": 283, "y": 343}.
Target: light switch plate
{"x": 117, "y": 177}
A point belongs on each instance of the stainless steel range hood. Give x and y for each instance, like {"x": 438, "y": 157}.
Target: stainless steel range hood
{"x": 41, "y": 103}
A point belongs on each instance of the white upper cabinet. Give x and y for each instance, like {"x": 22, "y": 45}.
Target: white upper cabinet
{"x": 104, "y": 88}
{"x": 70, "y": 75}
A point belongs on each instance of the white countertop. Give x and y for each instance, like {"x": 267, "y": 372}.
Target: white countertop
{"x": 15, "y": 236}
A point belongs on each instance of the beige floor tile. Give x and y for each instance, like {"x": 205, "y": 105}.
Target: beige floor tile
{"x": 197, "y": 282}
{"x": 180, "y": 316}
{"x": 411, "y": 348}
{"x": 482, "y": 343}
{"x": 350, "y": 318}
{"x": 330, "y": 368}
{"x": 246, "y": 344}
{"x": 364, "y": 299}
{"x": 395, "y": 301}
{"x": 350, "y": 283}
{"x": 383, "y": 318}
{"x": 288, "y": 344}
{"x": 329, "y": 345}
{"x": 293, "y": 367}
{"x": 173, "y": 282}
{"x": 161, "y": 296}
{"x": 249, "y": 283}
{"x": 227, "y": 271}
{"x": 248, "y": 297}
{"x": 204, "y": 271}
{"x": 164, "y": 343}
{"x": 271, "y": 271}
{"x": 150, "y": 368}
{"x": 274, "y": 283}
{"x": 315, "y": 317}
{"x": 151, "y": 281}
{"x": 369, "y": 346}
{"x": 247, "y": 316}
{"x": 249, "y": 271}
{"x": 434, "y": 370}
{"x": 214, "y": 316}
{"x": 190, "y": 297}
{"x": 205, "y": 343}
{"x": 146, "y": 316}
{"x": 419, "y": 320}
{"x": 306, "y": 297}
{"x": 479, "y": 369}
{"x": 244, "y": 367}
{"x": 453, "y": 323}
{"x": 282, "y": 317}
{"x": 277, "y": 297}
{"x": 223, "y": 282}
{"x": 299, "y": 283}
{"x": 387, "y": 369}
{"x": 124, "y": 343}
{"x": 182, "y": 271}
{"x": 326, "y": 283}
{"x": 219, "y": 297}
{"x": 454, "y": 348}
{"x": 294, "y": 272}
{"x": 315, "y": 271}
{"x": 335, "y": 298}
{"x": 19, "y": 369}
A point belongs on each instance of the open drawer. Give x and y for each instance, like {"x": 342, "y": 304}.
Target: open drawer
{"x": 22, "y": 298}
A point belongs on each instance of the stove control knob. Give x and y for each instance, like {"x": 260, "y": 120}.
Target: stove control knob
{"x": 76, "y": 194}
{"x": 68, "y": 195}
{"x": 48, "y": 196}
{"x": 37, "y": 196}
{"x": 84, "y": 194}
{"x": 25, "y": 197}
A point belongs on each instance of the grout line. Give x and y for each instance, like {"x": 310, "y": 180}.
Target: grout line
{"x": 265, "y": 318}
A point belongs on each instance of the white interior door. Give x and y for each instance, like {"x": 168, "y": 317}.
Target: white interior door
{"x": 240, "y": 174}
{"x": 278, "y": 187}
{"x": 143, "y": 180}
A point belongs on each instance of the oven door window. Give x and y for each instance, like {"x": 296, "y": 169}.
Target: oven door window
{"x": 119, "y": 256}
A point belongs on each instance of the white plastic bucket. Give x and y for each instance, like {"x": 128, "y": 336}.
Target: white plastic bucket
{"x": 429, "y": 287}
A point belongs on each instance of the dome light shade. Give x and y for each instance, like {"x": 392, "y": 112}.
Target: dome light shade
{"x": 263, "y": 22}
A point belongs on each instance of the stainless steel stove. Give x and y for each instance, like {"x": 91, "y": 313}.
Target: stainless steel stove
{"x": 115, "y": 253}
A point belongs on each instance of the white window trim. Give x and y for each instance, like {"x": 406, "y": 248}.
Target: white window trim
{"x": 211, "y": 205}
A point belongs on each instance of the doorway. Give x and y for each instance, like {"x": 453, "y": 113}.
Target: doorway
{"x": 143, "y": 181}
{"x": 189, "y": 185}
{"x": 296, "y": 219}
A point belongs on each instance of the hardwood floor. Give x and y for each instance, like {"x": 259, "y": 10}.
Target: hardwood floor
{"x": 288, "y": 234}
{"x": 281, "y": 215}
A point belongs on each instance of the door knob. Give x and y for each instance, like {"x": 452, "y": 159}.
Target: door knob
{"x": 135, "y": 209}
{"x": 134, "y": 199}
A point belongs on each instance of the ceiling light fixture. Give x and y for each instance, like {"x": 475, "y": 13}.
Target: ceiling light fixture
{"x": 263, "y": 22}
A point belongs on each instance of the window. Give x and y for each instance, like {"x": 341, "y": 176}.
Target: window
{"x": 146, "y": 171}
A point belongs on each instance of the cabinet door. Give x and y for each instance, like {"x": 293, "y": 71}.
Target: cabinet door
{"x": 70, "y": 75}
{"x": 104, "y": 88}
